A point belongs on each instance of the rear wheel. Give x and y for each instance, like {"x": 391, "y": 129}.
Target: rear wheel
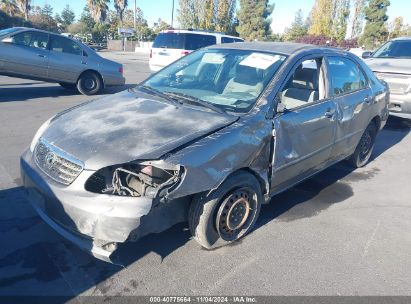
{"x": 226, "y": 214}
{"x": 89, "y": 83}
{"x": 365, "y": 147}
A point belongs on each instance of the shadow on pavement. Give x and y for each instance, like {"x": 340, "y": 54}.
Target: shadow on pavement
{"x": 34, "y": 260}
{"x": 31, "y": 93}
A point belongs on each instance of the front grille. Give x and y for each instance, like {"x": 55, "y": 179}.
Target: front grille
{"x": 56, "y": 163}
{"x": 398, "y": 83}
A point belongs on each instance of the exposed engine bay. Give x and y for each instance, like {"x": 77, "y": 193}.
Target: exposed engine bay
{"x": 133, "y": 180}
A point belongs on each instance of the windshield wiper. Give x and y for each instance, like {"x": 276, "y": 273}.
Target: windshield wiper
{"x": 160, "y": 94}
{"x": 194, "y": 100}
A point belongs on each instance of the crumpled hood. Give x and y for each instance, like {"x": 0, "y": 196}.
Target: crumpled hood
{"x": 127, "y": 126}
{"x": 389, "y": 65}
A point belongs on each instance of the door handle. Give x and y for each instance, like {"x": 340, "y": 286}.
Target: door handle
{"x": 368, "y": 99}
{"x": 330, "y": 113}
{"x": 41, "y": 55}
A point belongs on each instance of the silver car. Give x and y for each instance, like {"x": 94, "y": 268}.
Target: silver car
{"x": 207, "y": 140}
{"x": 40, "y": 55}
{"x": 392, "y": 63}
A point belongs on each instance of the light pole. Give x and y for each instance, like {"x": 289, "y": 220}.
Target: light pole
{"x": 172, "y": 16}
{"x": 135, "y": 9}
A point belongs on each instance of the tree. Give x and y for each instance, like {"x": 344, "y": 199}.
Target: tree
{"x": 160, "y": 25}
{"x": 396, "y": 28}
{"x": 189, "y": 12}
{"x": 7, "y": 21}
{"x": 208, "y": 17}
{"x": 321, "y": 18}
{"x": 375, "y": 15}
{"x": 10, "y": 7}
{"x": 98, "y": 9}
{"x": 225, "y": 15}
{"x": 67, "y": 16}
{"x": 341, "y": 13}
{"x": 254, "y": 21}
{"x": 120, "y": 6}
{"x": 358, "y": 18}
{"x": 297, "y": 30}
{"x": 24, "y": 6}
{"x": 42, "y": 18}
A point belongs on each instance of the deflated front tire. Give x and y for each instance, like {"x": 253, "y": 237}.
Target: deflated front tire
{"x": 228, "y": 213}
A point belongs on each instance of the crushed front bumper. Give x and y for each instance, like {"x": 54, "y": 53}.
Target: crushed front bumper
{"x": 89, "y": 220}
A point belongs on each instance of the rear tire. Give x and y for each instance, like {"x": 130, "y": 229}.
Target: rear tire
{"x": 363, "y": 151}
{"x": 226, "y": 214}
{"x": 89, "y": 83}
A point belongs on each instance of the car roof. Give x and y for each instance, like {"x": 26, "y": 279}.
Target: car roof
{"x": 286, "y": 48}
{"x": 402, "y": 38}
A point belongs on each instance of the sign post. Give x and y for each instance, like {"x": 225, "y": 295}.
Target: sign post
{"x": 125, "y": 32}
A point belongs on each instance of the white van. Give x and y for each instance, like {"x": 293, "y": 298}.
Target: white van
{"x": 171, "y": 45}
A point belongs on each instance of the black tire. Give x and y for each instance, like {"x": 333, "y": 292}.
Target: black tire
{"x": 68, "y": 86}
{"x": 363, "y": 151}
{"x": 89, "y": 83}
{"x": 226, "y": 214}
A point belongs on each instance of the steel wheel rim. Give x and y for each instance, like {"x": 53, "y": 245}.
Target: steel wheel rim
{"x": 365, "y": 145}
{"x": 236, "y": 214}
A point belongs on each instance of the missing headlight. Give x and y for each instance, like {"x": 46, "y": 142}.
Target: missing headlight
{"x": 132, "y": 180}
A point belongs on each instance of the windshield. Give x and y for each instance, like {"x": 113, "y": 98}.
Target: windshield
{"x": 228, "y": 79}
{"x": 7, "y": 31}
{"x": 394, "y": 49}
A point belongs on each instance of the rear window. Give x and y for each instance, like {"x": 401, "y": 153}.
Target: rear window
{"x": 184, "y": 41}
{"x": 230, "y": 40}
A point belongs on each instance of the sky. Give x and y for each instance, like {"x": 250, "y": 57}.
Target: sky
{"x": 282, "y": 16}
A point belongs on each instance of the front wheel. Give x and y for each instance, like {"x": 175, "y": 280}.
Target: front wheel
{"x": 226, "y": 214}
{"x": 365, "y": 147}
{"x": 89, "y": 83}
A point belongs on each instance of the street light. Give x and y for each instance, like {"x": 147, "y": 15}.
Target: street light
{"x": 172, "y": 15}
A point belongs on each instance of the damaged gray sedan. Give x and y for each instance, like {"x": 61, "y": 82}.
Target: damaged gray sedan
{"x": 206, "y": 140}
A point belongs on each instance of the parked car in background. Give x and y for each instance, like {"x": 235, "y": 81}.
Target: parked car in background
{"x": 207, "y": 139}
{"x": 171, "y": 45}
{"x": 40, "y": 55}
{"x": 392, "y": 63}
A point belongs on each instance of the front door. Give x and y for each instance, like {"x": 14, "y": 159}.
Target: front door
{"x": 304, "y": 132}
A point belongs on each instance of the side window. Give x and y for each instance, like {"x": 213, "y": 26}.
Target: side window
{"x": 31, "y": 39}
{"x": 226, "y": 40}
{"x": 197, "y": 41}
{"x": 305, "y": 85}
{"x": 64, "y": 45}
{"x": 346, "y": 76}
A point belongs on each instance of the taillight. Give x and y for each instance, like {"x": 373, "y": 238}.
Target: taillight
{"x": 121, "y": 70}
{"x": 151, "y": 53}
{"x": 183, "y": 53}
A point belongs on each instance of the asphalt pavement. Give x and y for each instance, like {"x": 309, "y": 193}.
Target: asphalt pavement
{"x": 343, "y": 232}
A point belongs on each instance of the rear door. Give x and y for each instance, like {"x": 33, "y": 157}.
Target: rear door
{"x": 353, "y": 97}
{"x": 27, "y": 54}
{"x": 67, "y": 59}
{"x": 304, "y": 133}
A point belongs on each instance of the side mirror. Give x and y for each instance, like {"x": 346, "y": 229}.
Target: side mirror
{"x": 366, "y": 55}
{"x": 7, "y": 40}
{"x": 276, "y": 106}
